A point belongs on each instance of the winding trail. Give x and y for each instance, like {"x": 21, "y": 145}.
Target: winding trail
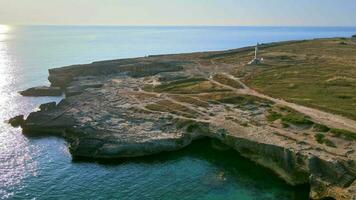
{"x": 329, "y": 119}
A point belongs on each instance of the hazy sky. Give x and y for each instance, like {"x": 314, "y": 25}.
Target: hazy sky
{"x": 180, "y": 12}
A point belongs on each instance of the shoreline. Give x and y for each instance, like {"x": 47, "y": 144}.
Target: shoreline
{"x": 114, "y": 109}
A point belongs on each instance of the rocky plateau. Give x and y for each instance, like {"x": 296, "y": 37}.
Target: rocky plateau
{"x": 136, "y": 107}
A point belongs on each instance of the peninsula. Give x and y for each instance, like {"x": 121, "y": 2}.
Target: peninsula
{"x": 294, "y": 112}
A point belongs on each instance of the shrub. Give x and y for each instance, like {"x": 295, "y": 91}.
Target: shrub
{"x": 273, "y": 116}
{"x": 321, "y": 128}
{"x": 329, "y": 143}
{"x": 343, "y": 133}
{"x": 319, "y": 138}
{"x": 296, "y": 119}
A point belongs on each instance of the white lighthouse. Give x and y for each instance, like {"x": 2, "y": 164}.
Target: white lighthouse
{"x": 256, "y": 60}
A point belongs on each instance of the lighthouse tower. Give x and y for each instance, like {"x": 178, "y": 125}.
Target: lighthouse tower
{"x": 256, "y": 60}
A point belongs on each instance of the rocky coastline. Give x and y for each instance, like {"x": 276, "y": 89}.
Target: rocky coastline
{"x": 143, "y": 106}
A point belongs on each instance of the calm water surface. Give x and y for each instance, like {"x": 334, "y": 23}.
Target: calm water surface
{"x": 41, "y": 168}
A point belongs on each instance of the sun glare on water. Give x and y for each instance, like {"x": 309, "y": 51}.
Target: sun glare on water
{"x": 3, "y": 30}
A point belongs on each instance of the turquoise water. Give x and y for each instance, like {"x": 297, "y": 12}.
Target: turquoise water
{"x": 41, "y": 168}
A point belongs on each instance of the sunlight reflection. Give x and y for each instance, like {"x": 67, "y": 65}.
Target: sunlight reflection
{"x": 3, "y": 63}
{"x": 4, "y": 29}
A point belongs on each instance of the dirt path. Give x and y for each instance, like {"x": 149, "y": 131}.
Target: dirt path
{"x": 331, "y": 120}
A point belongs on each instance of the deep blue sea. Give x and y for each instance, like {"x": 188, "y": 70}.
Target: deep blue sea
{"x": 41, "y": 168}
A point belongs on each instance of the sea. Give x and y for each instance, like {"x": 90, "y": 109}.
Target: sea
{"x": 42, "y": 167}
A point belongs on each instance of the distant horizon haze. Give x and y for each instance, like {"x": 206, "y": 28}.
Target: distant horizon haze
{"x": 282, "y": 13}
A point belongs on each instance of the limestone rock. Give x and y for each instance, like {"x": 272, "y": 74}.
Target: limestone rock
{"x": 112, "y": 111}
{"x": 17, "y": 121}
{"x": 47, "y": 106}
{"x": 42, "y": 91}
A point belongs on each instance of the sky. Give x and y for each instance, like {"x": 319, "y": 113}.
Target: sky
{"x": 179, "y": 12}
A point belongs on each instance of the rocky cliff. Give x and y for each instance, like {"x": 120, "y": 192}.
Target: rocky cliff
{"x": 137, "y": 107}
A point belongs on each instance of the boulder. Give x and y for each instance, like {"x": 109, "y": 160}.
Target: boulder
{"x": 42, "y": 91}
{"x": 17, "y": 121}
{"x": 47, "y": 106}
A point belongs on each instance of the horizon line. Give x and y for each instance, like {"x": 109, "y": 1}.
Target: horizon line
{"x": 202, "y": 25}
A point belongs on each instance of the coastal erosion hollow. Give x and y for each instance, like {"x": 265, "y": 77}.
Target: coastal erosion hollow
{"x": 85, "y": 145}
{"x": 220, "y": 167}
{"x": 92, "y": 143}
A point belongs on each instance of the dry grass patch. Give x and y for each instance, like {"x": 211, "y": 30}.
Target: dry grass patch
{"x": 317, "y": 73}
{"x": 190, "y": 100}
{"x": 189, "y": 86}
{"x": 224, "y": 79}
{"x": 174, "y": 108}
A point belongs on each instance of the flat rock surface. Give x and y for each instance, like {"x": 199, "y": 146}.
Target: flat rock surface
{"x": 42, "y": 91}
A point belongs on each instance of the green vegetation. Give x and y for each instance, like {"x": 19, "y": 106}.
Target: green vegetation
{"x": 190, "y": 100}
{"x": 317, "y": 73}
{"x": 273, "y": 116}
{"x": 296, "y": 119}
{"x": 243, "y": 99}
{"x": 171, "y": 107}
{"x": 188, "y": 86}
{"x": 329, "y": 143}
{"x": 223, "y": 79}
{"x": 179, "y": 83}
{"x": 343, "y": 133}
{"x": 288, "y": 116}
{"x": 321, "y": 128}
{"x": 320, "y": 138}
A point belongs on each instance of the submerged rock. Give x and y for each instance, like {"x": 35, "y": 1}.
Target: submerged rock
{"x": 42, "y": 91}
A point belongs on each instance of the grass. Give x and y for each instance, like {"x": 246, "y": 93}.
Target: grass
{"x": 317, "y": 73}
{"x": 179, "y": 83}
{"x": 273, "y": 116}
{"x": 188, "y": 86}
{"x": 329, "y": 143}
{"x": 296, "y": 119}
{"x": 344, "y": 134}
{"x": 320, "y": 138}
{"x": 243, "y": 102}
{"x": 243, "y": 99}
{"x": 171, "y": 107}
{"x": 190, "y": 100}
{"x": 321, "y": 128}
{"x": 223, "y": 79}
{"x": 288, "y": 116}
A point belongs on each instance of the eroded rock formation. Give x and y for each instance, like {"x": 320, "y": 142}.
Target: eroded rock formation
{"x": 137, "y": 107}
